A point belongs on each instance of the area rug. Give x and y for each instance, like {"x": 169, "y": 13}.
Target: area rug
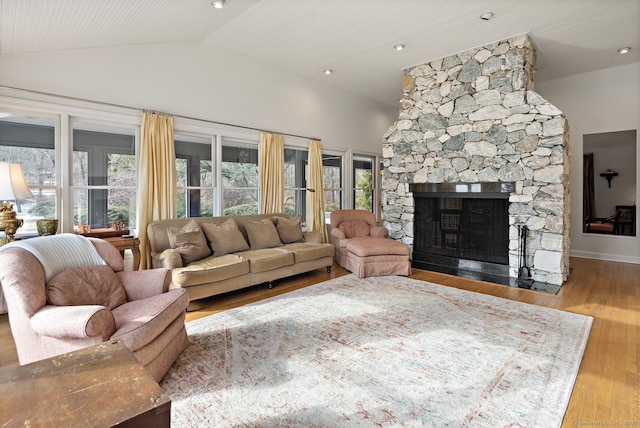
{"x": 387, "y": 351}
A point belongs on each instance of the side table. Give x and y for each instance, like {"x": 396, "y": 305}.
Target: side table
{"x": 103, "y": 385}
{"x": 132, "y": 244}
{"x": 115, "y": 237}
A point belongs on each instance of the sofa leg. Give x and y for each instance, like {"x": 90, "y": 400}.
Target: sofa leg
{"x": 270, "y": 284}
{"x": 328, "y": 269}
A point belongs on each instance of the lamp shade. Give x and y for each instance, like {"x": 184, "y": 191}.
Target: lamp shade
{"x": 12, "y": 182}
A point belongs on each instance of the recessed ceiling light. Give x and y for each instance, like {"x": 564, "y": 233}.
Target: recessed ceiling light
{"x": 398, "y": 47}
{"x": 486, "y": 16}
{"x": 218, "y": 4}
{"x": 624, "y": 50}
{"x": 328, "y": 71}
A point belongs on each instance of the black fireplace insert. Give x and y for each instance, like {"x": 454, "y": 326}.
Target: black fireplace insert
{"x": 461, "y": 222}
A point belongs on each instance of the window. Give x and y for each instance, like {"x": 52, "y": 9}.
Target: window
{"x": 104, "y": 175}
{"x": 332, "y": 175}
{"x": 363, "y": 193}
{"x": 295, "y": 182}
{"x": 30, "y": 141}
{"x": 239, "y": 170}
{"x": 194, "y": 171}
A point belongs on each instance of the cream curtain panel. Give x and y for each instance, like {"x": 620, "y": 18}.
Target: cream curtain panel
{"x": 156, "y": 177}
{"x": 271, "y": 173}
{"x": 315, "y": 191}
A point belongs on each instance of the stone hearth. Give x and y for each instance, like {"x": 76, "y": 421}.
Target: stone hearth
{"x": 474, "y": 117}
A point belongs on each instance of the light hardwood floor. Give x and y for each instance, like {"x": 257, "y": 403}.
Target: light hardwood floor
{"x": 606, "y": 392}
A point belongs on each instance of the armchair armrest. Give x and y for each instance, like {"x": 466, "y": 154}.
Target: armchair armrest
{"x": 377, "y": 232}
{"x": 74, "y": 322}
{"x": 141, "y": 284}
{"x": 313, "y": 236}
{"x": 338, "y": 234}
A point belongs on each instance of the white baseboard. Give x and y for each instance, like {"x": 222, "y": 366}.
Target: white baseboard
{"x": 605, "y": 256}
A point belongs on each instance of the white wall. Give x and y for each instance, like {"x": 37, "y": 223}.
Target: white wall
{"x": 198, "y": 81}
{"x": 602, "y": 101}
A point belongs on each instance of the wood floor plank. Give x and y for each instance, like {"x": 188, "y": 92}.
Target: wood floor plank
{"x": 607, "y": 385}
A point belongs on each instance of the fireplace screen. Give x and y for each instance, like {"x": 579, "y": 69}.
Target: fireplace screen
{"x": 465, "y": 228}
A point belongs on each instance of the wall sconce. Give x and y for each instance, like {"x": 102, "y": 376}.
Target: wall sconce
{"x": 13, "y": 186}
{"x": 609, "y": 174}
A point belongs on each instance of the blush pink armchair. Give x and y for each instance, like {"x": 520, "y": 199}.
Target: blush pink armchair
{"x": 66, "y": 292}
{"x": 362, "y": 247}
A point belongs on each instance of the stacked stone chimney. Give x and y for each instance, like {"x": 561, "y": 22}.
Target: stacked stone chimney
{"x": 474, "y": 117}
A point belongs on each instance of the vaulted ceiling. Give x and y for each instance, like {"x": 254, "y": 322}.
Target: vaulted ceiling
{"x": 354, "y": 38}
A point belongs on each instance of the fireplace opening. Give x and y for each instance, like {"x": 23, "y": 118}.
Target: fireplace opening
{"x": 462, "y": 226}
{"x": 465, "y": 228}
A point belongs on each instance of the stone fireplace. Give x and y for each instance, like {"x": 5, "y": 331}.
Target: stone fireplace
{"x": 471, "y": 123}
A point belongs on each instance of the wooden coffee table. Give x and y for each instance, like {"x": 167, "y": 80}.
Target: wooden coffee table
{"x": 100, "y": 386}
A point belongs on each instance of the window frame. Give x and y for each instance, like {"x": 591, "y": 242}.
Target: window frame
{"x": 65, "y": 110}
{"x": 301, "y": 175}
{"x": 253, "y": 151}
{"x": 193, "y": 192}
{"x": 99, "y": 218}
{"x": 42, "y": 121}
{"x": 363, "y": 159}
{"x": 343, "y": 199}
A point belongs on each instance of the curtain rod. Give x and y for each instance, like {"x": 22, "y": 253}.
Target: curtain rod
{"x": 67, "y": 97}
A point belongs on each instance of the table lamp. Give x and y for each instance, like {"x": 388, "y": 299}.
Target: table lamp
{"x": 13, "y": 186}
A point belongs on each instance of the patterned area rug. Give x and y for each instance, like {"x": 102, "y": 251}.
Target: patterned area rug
{"x": 384, "y": 351}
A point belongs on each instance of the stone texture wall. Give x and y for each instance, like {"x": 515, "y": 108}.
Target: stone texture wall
{"x": 474, "y": 117}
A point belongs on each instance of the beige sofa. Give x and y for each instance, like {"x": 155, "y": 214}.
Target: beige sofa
{"x": 205, "y": 272}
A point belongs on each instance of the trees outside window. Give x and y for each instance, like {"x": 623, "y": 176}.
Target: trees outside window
{"x": 363, "y": 193}
{"x": 239, "y": 170}
{"x": 333, "y": 183}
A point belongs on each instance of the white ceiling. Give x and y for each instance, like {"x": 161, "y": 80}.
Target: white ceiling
{"x": 355, "y": 38}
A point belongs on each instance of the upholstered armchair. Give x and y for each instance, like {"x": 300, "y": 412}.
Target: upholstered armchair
{"x": 362, "y": 247}
{"x": 66, "y": 292}
{"x": 347, "y": 224}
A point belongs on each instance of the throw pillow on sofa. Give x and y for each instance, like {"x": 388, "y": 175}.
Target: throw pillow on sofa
{"x": 262, "y": 234}
{"x": 189, "y": 241}
{"x": 289, "y": 229}
{"x": 86, "y": 285}
{"x": 225, "y": 238}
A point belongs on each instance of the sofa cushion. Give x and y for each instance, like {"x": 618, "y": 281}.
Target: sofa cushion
{"x": 289, "y": 229}
{"x": 86, "y": 285}
{"x": 267, "y": 259}
{"x": 225, "y": 238}
{"x": 210, "y": 269}
{"x": 354, "y": 228}
{"x": 189, "y": 241}
{"x": 303, "y": 252}
{"x": 262, "y": 234}
{"x": 139, "y": 322}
